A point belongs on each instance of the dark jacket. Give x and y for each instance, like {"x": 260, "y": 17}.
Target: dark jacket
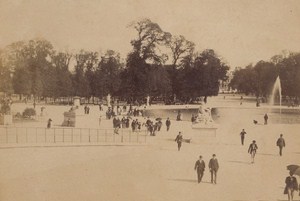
{"x": 252, "y": 148}
{"x": 290, "y": 182}
{"x": 179, "y": 138}
{"x": 280, "y": 142}
{"x": 213, "y": 164}
{"x": 200, "y": 166}
{"x": 168, "y": 122}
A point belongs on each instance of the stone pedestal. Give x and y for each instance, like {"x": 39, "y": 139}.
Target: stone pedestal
{"x": 108, "y": 99}
{"x": 204, "y": 130}
{"x": 76, "y": 118}
{"x": 76, "y": 101}
{"x": 69, "y": 119}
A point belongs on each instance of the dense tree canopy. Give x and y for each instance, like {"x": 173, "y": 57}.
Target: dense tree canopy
{"x": 259, "y": 79}
{"x": 160, "y": 65}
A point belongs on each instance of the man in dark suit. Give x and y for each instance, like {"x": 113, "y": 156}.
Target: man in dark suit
{"x": 252, "y": 150}
{"x": 242, "y": 134}
{"x": 168, "y": 123}
{"x": 291, "y": 186}
{"x": 213, "y": 168}
{"x": 280, "y": 143}
{"x": 179, "y": 140}
{"x": 200, "y": 167}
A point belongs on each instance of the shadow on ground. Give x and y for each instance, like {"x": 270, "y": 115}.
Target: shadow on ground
{"x": 241, "y": 162}
{"x": 189, "y": 180}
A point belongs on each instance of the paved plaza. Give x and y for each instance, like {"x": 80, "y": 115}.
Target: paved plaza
{"x": 155, "y": 170}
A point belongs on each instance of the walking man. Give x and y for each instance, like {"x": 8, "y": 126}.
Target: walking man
{"x": 49, "y": 123}
{"x": 252, "y": 150}
{"x": 179, "y": 140}
{"x": 200, "y": 167}
{"x": 242, "y": 134}
{"x": 213, "y": 168}
{"x": 291, "y": 185}
{"x": 280, "y": 143}
{"x": 168, "y": 123}
{"x": 266, "y": 118}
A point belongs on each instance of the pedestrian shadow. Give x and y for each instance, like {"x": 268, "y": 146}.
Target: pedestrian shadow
{"x": 287, "y": 200}
{"x": 241, "y": 162}
{"x": 189, "y": 180}
{"x": 266, "y": 154}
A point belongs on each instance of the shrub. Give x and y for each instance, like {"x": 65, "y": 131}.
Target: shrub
{"x": 5, "y": 106}
{"x": 5, "y": 109}
{"x": 29, "y": 112}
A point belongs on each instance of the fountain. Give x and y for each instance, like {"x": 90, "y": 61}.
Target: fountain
{"x": 277, "y": 87}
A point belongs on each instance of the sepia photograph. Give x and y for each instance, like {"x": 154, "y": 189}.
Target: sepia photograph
{"x": 162, "y": 100}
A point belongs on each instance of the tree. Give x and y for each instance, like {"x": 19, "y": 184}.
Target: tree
{"x": 180, "y": 48}
{"x": 265, "y": 76}
{"x": 84, "y": 68}
{"x": 244, "y": 80}
{"x": 63, "y": 80}
{"x": 289, "y": 72}
{"x": 150, "y": 36}
{"x": 108, "y": 74}
{"x": 22, "y": 81}
{"x": 5, "y": 77}
{"x": 30, "y": 61}
{"x": 134, "y": 77}
{"x": 202, "y": 75}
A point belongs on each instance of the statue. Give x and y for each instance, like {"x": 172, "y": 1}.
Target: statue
{"x": 108, "y": 100}
{"x": 203, "y": 116}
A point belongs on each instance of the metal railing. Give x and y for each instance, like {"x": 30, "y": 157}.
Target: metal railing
{"x": 40, "y": 135}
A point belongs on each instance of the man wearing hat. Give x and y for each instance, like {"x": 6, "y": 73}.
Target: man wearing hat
{"x": 252, "y": 150}
{"x": 179, "y": 140}
{"x": 291, "y": 185}
{"x": 280, "y": 143}
{"x": 242, "y": 134}
{"x": 213, "y": 168}
{"x": 200, "y": 167}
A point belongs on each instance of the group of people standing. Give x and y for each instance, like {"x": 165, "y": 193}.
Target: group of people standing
{"x": 152, "y": 127}
{"x": 124, "y": 123}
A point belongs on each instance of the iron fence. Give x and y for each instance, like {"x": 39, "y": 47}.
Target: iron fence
{"x": 29, "y": 135}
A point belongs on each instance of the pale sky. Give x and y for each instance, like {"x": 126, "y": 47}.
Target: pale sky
{"x": 242, "y": 32}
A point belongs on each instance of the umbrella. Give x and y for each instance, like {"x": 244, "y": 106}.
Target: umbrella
{"x": 158, "y": 119}
{"x": 295, "y": 169}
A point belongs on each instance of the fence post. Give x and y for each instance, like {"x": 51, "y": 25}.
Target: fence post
{"x": 89, "y": 135}
{"x": 114, "y": 137}
{"x": 137, "y": 137}
{"x": 63, "y": 135}
{"x": 80, "y": 135}
{"x": 6, "y": 135}
{"x": 122, "y": 136}
{"x": 54, "y": 136}
{"x": 16, "y": 135}
{"x": 72, "y": 134}
{"x": 45, "y": 135}
{"x": 36, "y": 135}
{"x": 26, "y": 136}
